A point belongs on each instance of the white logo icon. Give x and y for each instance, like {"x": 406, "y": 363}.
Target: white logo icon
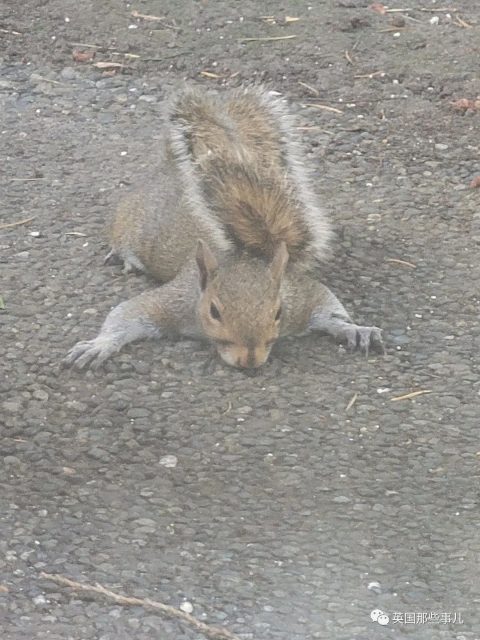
{"x": 377, "y": 615}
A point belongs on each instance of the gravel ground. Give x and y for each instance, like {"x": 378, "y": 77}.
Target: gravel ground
{"x": 272, "y": 504}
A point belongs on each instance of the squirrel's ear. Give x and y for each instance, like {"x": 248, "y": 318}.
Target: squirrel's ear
{"x": 279, "y": 261}
{"x": 207, "y": 263}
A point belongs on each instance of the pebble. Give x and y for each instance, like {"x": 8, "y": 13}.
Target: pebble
{"x": 40, "y": 394}
{"x": 99, "y": 454}
{"x": 186, "y": 606}
{"x": 11, "y": 461}
{"x": 375, "y": 587}
{"x": 169, "y": 461}
{"x": 399, "y": 340}
{"x": 68, "y": 73}
{"x": 245, "y": 409}
{"x": 11, "y": 407}
{"x": 441, "y": 147}
{"x": 6, "y": 84}
{"x": 145, "y": 522}
{"x": 138, "y": 412}
{"x": 341, "y": 499}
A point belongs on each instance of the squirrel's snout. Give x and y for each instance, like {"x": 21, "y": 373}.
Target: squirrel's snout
{"x": 245, "y": 358}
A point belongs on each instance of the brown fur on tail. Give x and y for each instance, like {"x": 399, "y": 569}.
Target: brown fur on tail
{"x": 257, "y": 207}
{"x": 244, "y": 174}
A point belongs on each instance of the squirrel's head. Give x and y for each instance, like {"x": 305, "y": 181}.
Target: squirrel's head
{"x": 240, "y": 305}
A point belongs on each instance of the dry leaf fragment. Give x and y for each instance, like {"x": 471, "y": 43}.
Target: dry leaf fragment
{"x": 378, "y": 7}
{"x": 83, "y": 56}
{"x": 462, "y": 104}
{"x": 3, "y": 588}
{"x": 475, "y": 183}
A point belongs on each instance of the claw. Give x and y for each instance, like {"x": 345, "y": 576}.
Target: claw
{"x": 90, "y": 353}
{"x": 363, "y": 338}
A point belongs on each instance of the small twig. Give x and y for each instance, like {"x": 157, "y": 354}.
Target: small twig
{"x": 355, "y": 44}
{"x": 398, "y": 10}
{"x": 228, "y": 409}
{"x": 369, "y": 75}
{"x": 212, "y": 632}
{"x": 76, "y": 233}
{"x": 353, "y": 399}
{"x": 134, "y": 56}
{"x": 461, "y": 23}
{"x": 404, "y": 262}
{"x": 172, "y": 55}
{"x": 16, "y": 224}
{"x": 209, "y": 74}
{"x": 348, "y": 57}
{"x": 311, "y": 89}
{"x": 446, "y": 9}
{"x": 105, "y": 64}
{"x": 15, "y": 33}
{"x": 413, "y": 394}
{"x": 269, "y": 39}
{"x": 144, "y": 16}
{"x": 136, "y": 14}
{"x": 324, "y": 107}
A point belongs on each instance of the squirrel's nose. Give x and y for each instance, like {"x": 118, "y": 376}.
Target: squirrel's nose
{"x": 248, "y": 366}
{"x": 250, "y": 360}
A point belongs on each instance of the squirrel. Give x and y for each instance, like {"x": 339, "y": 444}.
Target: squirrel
{"x": 230, "y": 224}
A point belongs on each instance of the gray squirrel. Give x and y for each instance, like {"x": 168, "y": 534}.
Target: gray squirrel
{"x": 232, "y": 228}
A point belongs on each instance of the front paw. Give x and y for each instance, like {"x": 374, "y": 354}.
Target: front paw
{"x": 90, "y": 353}
{"x": 363, "y": 338}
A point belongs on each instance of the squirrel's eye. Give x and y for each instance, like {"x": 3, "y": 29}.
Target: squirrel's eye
{"x": 278, "y": 314}
{"x": 214, "y": 312}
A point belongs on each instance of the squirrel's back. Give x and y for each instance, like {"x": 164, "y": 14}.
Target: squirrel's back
{"x": 243, "y": 166}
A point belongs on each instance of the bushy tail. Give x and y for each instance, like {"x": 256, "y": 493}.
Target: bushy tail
{"x": 257, "y": 207}
{"x": 244, "y": 169}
